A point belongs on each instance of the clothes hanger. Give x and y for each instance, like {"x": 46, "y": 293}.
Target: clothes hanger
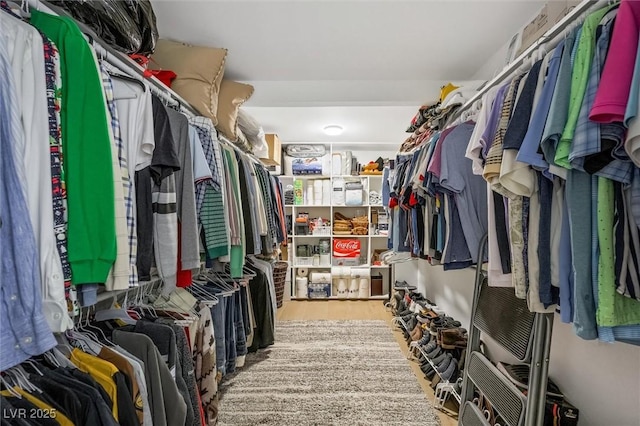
{"x": 92, "y": 327}
{"x": 10, "y": 387}
{"x": 114, "y": 313}
{"x": 33, "y": 365}
{"x": 51, "y": 359}
{"x": 86, "y": 343}
{"x": 214, "y": 278}
{"x": 82, "y": 342}
{"x": 83, "y": 327}
{"x": 191, "y": 313}
{"x": 127, "y": 78}
{"x": 206, "y": 297}
{"x": 22, "y": 378}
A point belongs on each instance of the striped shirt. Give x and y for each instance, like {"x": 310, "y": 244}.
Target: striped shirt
{"x": 132, "y": 238}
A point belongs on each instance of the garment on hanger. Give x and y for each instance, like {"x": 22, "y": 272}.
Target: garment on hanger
{"x": 25, "y": 332}
{"x": 561, "y": 193}
{"x": 91, "y": 229}
{"x": 185, "y": 203}
{"x": 118, "y": 278}
{"x": 26, "y": 50}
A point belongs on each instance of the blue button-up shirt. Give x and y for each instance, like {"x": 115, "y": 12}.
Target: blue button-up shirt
{"x": 24, "y": 331}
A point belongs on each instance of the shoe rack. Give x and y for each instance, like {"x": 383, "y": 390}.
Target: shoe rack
{"x": 445, "y": 389}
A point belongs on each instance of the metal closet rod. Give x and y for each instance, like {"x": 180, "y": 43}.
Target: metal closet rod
{"x": 120, "y": 60}
{"x": 132, "y": 69}
{"x": 550, "y": 38}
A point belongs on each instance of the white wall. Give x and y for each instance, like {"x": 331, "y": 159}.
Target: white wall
{"x": 602, "y": 380}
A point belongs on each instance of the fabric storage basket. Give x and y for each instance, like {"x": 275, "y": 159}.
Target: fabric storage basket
{"x": 353, "y": 193}
{"x": 279, "y": 277}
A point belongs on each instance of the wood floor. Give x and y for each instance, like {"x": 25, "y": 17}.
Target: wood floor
{"x": 356, "y": 310}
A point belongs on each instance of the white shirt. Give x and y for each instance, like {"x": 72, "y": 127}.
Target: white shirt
{"x": 474, "y": 149}
{"x": 26, "y": 53}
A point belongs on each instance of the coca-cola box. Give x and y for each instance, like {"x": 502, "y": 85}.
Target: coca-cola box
{"x": 346, "y": 252}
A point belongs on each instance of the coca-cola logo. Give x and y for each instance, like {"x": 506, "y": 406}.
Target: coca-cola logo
{"x": 347, "y": 245}
{"x": 346, "y": 248}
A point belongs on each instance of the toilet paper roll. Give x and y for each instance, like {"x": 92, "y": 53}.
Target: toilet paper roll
{"x": 303, "y": 272}
{"x": 341, "y": 271}
{"x": 343, "y": 290}
{"x": 320, "y": 277}
{"x": 346, "y": 163}
{"x": 336, "y": 164}
{"x": 359, "y": 272}
{"x": 326, "y": 192}
{"x": 353, "y": 289}
{"x": 302, "y": 287}
{"x": 302, "y": 291}
{"x": 364, "y": 283}
{"x": 310, "y": 198}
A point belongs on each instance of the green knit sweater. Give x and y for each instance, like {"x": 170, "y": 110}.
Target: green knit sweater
{"x": 87, "y": 153}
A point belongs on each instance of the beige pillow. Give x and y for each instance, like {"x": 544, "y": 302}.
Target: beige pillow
{"x": 232, "y": 96}
{"x": 199, "y": 69}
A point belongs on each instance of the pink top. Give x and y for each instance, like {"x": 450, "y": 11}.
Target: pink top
{"x": 613, "y": 93}
{"x": 436, "y": 160}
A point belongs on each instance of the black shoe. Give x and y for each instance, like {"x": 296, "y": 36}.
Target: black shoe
{"x": 451, "y": 373}
{"x": 442, "y": 367}
{"x": 426, "y": 369}
{"x": 518, "y": 374}
{"x": 430, "y": 375}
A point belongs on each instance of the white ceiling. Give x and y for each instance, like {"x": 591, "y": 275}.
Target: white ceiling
{"x": 366, "y": 65}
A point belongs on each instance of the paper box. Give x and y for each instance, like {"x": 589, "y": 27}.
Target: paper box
{"x": 551, "y": 14}
{"x": 274, "y": 156}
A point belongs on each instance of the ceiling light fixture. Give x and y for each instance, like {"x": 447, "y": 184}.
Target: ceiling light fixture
{"x": 333, "y": 130}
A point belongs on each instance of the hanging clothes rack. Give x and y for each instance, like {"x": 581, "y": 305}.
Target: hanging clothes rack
{"x": 120, "y": 61}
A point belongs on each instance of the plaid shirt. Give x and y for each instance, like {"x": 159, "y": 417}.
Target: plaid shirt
{"x": 588, "y": 136}
{"x": 126, "y": 181}
{"x": 268, "y": 206}
{"x": 209, "y": 140}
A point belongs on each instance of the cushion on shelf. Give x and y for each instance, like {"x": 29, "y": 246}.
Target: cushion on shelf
{"x": 199, "y": 72}
{"x": 253, "y": 131}
{"x": 232, "y": 96}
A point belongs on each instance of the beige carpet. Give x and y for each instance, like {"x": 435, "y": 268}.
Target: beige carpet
{"x": 326, "y": 373}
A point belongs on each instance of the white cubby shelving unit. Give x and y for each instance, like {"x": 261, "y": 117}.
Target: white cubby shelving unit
{"x": 326, "y": 210}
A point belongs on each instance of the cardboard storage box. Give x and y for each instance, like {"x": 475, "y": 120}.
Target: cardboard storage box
{"x": 275, "y": 150}
{"x": 551, "y": 14}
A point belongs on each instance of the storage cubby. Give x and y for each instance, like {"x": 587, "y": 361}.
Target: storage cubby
{"x": 337, "y": 208}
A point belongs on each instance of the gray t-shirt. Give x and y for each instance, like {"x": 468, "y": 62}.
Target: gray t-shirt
{"x": 470, "y": 191}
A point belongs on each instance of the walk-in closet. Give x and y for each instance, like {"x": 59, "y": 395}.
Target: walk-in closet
{"x": 288, "y": 212}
